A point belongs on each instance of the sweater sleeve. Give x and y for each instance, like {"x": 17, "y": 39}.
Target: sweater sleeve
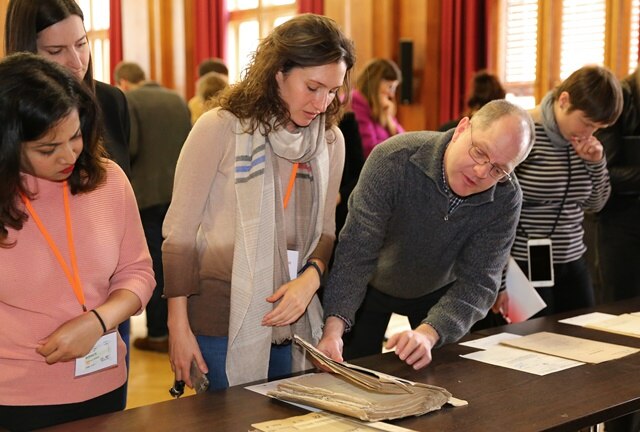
{"x": 134, "y": 271}
{"x": 370, "y": 208}
{"x": 601, "y": 186}
{"x": 195, "y": 174}
{"x": 478, "y": 269}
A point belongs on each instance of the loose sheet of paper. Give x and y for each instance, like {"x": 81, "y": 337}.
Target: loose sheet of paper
{"x": 570, "y": 347}
{"x": 625, "y": 324}
{"x": 489, "y": 341}
{"x": 521, "y": 360}
{"x": 524, "y": 300}
{"x": 586, "y": 319}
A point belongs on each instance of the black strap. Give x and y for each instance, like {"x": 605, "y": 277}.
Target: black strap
{"x": 564, "y": 200}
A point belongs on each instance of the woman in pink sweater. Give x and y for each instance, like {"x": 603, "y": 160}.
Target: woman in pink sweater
{"x": 374, "y": 103}
{"x": 74, "y": 259}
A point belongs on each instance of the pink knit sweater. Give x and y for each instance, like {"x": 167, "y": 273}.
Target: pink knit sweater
{"x": 36, "y": 297}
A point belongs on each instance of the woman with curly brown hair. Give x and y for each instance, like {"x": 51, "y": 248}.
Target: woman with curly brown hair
{"x": 251, "y": 225}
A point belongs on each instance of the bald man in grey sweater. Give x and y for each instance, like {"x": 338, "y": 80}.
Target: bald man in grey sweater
{"x": 429, "y": 230}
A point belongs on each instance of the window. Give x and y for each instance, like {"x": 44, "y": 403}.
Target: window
{"x": 635, "y": 34}
{"x": 520, "y": 45}
{"x": 544, "y": 41}
{"x": 582, "y": 36}
{"x": 96, "y": 22}
{"x": 249, "y": 22}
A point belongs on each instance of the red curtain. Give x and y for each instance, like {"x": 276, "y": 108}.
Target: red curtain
{"x": 115, "y": 36}
{"x": 211, "y": 19}
{"x": 311, "y": 6}
{"x": 463, "y": 51}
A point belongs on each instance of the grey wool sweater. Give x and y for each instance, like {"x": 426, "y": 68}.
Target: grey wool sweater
{"x": 400, "y": 238}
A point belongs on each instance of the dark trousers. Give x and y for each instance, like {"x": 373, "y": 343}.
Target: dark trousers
{"x": 618, "y": 249}
{"x": 26, "y": 418}
{"x": 572, "y": 288}
{"x": 152, "y": 219}
{"x": 367, "y": 334}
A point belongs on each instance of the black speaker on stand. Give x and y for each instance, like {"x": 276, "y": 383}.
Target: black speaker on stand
{"x": 406, "y": 67}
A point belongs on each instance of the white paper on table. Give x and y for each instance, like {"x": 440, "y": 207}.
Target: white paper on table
{"x": 635, "y": 313}
{"x": 489, "y": 341}
{"x": 590, "y": 318}
{"x": 522, "y": 360}
{"x": 524, "y": 300}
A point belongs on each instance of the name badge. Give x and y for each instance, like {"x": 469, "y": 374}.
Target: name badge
{"x": 103, "y": 355}
{"x": 292, "y": 258}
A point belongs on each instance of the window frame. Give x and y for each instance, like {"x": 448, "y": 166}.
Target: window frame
{"x": 265, "y": 15}
{"x": 549, "y": 49}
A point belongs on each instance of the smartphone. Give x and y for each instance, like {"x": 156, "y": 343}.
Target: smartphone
{"x": 198, "y": 379}
{"x": 540, "y": 262}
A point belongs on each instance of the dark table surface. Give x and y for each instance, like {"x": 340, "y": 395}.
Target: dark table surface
{"x": 499, "y": 399}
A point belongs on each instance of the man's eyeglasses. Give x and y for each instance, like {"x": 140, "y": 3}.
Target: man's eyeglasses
{"x": 481, "y": 158}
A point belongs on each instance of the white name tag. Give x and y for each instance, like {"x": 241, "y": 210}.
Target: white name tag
{"x": 102, "y": 356}
{"x": 292, "y": 258}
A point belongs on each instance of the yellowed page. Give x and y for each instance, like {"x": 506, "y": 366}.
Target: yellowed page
{"x": 625, "y": 324}
{"x": 570, "y": 347}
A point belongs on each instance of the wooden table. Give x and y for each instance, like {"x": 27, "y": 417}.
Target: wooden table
{"x": 499, "y": 399}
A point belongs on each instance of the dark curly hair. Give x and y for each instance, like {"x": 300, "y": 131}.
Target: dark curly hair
{"x": 306, "y": 40}
{"x": 35, "y": 95}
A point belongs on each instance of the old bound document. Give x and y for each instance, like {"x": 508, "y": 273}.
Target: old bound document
{"x": 570, "y": 347}
{"x": 359, "y": 392}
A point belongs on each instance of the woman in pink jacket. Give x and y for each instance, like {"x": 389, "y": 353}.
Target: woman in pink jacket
{"x": 374, "y": 103}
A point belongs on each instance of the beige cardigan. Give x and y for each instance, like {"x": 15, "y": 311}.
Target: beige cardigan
{"x": 199, "y": 228}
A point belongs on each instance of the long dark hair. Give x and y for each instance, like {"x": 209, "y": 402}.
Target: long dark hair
{"x": 306, "y": 40}
{"x": 26, "y": 18}
{"x": 35, "y": 95}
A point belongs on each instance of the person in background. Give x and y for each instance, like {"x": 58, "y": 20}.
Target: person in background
{"x": 374, "y": 103}
{"x": 251, "y": 225}
{"x": 197, "y": 102}
{"x": 617, "y": 232}
{"x": 565, "y": 176}
{"x": 154, "y": 154}
{"x": 74, "y": 258}
{"x": 485, "y": 87}
{"x": 55, "y": 30}
{"x": 210, "y": 85}
{"x": 430, "y": 225}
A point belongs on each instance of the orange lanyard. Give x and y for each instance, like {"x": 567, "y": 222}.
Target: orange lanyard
{"x": 292, "y": 180}
{"x": 74, "y": 278}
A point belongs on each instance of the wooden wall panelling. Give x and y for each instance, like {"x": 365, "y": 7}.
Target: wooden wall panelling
{"x": 419, "y": 21}
{"x": 3, "y": 13}
{"x": 189, "y": 48}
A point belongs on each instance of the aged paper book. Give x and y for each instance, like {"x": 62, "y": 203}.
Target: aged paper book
{"x": 625, "y": 324}
{"x": 570, "y": 347}
{"x": 323, "y": 422}
{"x": 359, "y": 392}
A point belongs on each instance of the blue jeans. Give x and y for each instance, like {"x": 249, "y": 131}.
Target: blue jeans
{"x": 214, "y": 351}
